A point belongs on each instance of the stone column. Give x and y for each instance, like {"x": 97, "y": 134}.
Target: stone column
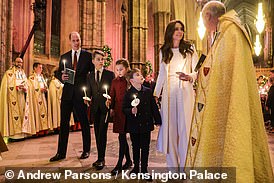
{"x": 6, "y": 12}
{"x": 70, "y": 16}
{"x": 48, "y": 27}
{"x": 161, "y": 18}
{"x": 103, "y": 22}
{"x": 92, "y": 22}
{"x": 137, "y": 33}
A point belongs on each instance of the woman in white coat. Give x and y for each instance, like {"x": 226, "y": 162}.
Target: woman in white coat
{"x": 178, "y": 59}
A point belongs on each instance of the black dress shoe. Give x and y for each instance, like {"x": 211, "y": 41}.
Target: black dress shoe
{"x": 116, "y": 170}
{"x": 135, "y": 170}
{"x": 95, "y": 163}
{"x": 100, "y": 165}
{"x": 57, "y": 157}
{"x": 127, "y": 165}
{"x": 84, "y": 155}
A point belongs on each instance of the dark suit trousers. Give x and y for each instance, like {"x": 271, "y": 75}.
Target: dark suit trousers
{"x": 140, "y": 141}
{"x": 81, "y": 110}
{"x": 100, "y": 130}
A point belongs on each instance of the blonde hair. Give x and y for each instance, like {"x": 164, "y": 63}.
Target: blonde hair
{"x": 123, "y": 62}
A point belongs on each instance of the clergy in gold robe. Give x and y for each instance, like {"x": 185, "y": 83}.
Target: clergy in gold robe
{"x": 12, "y": 100}
{"x": 36, "y": 117}
{"x": 54, "y": 94}
{"x": 227, "y": 127}
{"x": 54, "y": 102}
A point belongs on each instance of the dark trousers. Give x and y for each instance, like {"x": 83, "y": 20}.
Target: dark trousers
{"x": 81, "y": 110}
{"x": 272, "y": 118}
{"x": 123, "y": 149}
{"x": 100, "y": 130}
{"x": 140, "y": 141}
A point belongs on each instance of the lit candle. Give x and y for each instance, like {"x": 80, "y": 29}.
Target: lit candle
{"x": 84, "y": 88}
{"x": 64, "y": 62}
{"x": 106, "y": 87}
{"x": 135, "y": 102}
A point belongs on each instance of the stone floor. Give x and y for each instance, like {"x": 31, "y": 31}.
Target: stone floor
{"x": 35, "y": 152}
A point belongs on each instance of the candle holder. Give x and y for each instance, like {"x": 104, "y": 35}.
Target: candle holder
{"x": 86, "y": 97}
{"x": 135, "y": 102}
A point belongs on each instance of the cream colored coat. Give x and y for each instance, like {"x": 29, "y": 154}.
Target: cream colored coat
{"x": 188, "y": 95}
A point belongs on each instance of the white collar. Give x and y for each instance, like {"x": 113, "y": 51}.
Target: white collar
{"x": 78, "y": 51}
{"x": 101, "y": 70}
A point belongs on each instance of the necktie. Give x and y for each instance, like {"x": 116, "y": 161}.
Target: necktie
{"x": 98, "y": 76}
{"x": 75, "y": 61}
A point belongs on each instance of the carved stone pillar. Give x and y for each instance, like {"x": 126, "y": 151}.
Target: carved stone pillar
{"x": 92, "y": 28}
{"x": 6, "y": 12}
{"x": 70, "y": 13}
{"x": 48, "y": 27}
{"x": 161, "y": 16}
{"x": 137, "y": 33}
{"x": 161, "y": 19}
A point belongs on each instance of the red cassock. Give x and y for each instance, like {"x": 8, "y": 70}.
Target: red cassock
{"x": 117, "y": 92}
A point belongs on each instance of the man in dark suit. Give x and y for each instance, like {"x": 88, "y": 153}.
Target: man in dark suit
{"x": 81, "y": 62}
{"x": 98, "y": 84}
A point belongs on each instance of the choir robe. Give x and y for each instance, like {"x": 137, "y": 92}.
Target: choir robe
{"x": 36, "y": 117}
{"x": 12, "y": 101}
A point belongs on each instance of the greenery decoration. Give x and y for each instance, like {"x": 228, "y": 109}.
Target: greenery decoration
{"x": 262, "y": 80}
{"x": 107, "y": 51}
{"x": 148, "y": 68}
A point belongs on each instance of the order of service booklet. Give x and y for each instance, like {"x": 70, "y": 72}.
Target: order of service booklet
{"x": 71, "y": 75}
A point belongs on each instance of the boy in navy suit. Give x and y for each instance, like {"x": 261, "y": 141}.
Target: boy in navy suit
{"x": 98, "y": 82}
{"x": 140, "y": 120}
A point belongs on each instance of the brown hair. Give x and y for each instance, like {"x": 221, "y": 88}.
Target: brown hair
{"x": 123, "y": 62}
{"x": 70, "y": 35}
{"x": 36, "y": 64}
{"x": 98, "y": 52}
{"x": 129, "y": 75}
{"x": 184, "y": 46}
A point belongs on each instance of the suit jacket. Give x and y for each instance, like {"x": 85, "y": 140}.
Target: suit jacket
{"x": 84, "y": 66}
{"x": 96, "y": 90}
{"x": 147, "y": 111}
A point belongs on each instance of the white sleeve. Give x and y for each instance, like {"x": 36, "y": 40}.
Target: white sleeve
{"x": 161, "y": 77}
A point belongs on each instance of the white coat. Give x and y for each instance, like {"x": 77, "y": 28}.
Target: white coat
{"x": 162, "y": 84}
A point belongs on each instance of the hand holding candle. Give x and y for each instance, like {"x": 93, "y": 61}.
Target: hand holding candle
{"x": 106, "y": 94}
{"x": 107, "y": 97}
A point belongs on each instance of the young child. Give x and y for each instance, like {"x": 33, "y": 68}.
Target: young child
{"x": 140, "y": 120}
{"x": 98, "y": 82}
{"x": 117, "y": 93}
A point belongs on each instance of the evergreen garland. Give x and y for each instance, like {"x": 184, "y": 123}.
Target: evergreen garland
{"x": 107, "y": 51}
{"x": 148, "y": 68}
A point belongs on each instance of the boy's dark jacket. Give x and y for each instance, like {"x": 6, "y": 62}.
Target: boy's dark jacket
{"x": 147, "y": 111}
